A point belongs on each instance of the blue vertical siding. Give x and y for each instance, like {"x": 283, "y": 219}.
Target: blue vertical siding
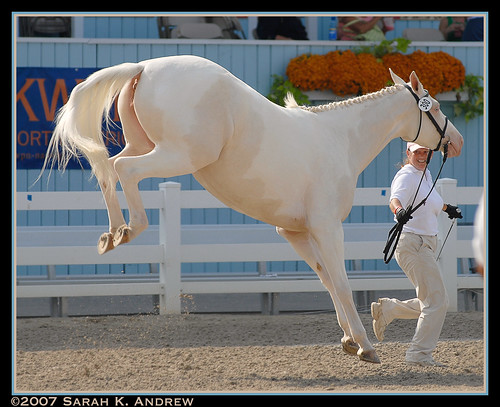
{"x": 120, "y": 27}
{"x": 254, "y": 62}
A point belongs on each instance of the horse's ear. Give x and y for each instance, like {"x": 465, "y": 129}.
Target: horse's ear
{"x": 396, "y": 79}
{"x": 415, "y": 82}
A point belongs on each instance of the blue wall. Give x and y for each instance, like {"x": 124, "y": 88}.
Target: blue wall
{"x": 120, "y": 27}
{"x": 254, "y": 62}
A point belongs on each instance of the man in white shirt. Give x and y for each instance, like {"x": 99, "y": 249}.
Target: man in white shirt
{"x": 415, "y": 254}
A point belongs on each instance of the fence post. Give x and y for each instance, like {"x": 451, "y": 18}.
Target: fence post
{"x": 170, "y": 239}
{"x": 447, "y": 188}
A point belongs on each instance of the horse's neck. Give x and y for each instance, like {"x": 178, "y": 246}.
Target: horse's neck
{"x": 377, "y": 122}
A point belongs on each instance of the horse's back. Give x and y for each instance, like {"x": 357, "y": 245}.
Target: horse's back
{"x": 183, "y": 96}
{"x": 182, "y": 77}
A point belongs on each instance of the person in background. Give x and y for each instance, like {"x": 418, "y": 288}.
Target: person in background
{"x": 452, "y": 28}
{"x": 387, "y": 24}
{"x": 474, "y": 29}
{"x": 280, "y": 28}
{"x": 360, "y": 29}
{"x": 416, "y": 255}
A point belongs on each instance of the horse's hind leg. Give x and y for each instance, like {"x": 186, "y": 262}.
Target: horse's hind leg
{"x": 115, "y": 216}
{"x": 108, "y": 240}
{"x": 157, "y": 163}
{"x": 137, "y": 143}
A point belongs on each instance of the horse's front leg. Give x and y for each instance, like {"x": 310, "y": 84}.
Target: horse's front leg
{"x": 331, "y": 248}
{"x": 307, "y": 248}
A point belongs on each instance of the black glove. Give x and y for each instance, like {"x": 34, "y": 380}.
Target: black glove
{"x": 403, "y": 216}
{"x": 453, "y": 211}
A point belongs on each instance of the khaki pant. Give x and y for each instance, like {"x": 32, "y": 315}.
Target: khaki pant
{"x": 415, "y": 255}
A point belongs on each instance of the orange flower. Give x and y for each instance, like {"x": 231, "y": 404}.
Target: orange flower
{"x": 346, "y": 73}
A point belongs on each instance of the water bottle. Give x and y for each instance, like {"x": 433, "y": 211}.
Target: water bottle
{"x": 332, "y": 30}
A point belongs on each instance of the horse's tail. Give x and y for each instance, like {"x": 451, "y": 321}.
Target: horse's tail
{"x": 79, "y": 122}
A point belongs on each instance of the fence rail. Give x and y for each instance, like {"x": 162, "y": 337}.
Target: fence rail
{"x": 171, "y": 244}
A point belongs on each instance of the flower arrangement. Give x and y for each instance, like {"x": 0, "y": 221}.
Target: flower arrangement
{"x": 347, "y": 73}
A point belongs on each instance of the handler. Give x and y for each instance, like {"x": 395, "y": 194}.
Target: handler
{"x": 415, "y": 254}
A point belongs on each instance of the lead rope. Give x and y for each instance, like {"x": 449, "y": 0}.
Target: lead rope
{"x": 397, "y": 229}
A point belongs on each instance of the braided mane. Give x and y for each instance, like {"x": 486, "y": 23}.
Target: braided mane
{"x": 290, "y": 102}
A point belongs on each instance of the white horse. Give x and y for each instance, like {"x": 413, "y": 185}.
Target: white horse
{"x": 294, "y": 167}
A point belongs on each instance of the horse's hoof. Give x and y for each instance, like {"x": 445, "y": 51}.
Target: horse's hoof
{"x": 350, "y": 347}
{"x": 122, "y": 235}
{"x": 105, "y": 243}
{"x": 369, "y": 356}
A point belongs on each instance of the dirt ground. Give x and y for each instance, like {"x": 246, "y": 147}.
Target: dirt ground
{"x": 237, "y": 353}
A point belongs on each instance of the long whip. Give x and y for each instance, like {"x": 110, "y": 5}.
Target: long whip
{"x": 445, "y": 239}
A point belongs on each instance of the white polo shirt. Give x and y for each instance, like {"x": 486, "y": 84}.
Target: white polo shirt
{"x": 403, "y": 187}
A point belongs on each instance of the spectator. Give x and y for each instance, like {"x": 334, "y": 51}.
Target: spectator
{"x": 452, "y": 28}
{"x": 387, "y": 24}
{"x": 360, "y": 29}
{"x": 280, "y": 28}
{"x": 474, "y": 29}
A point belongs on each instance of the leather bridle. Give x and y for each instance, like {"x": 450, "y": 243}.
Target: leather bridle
{"x": 424, "y": 105}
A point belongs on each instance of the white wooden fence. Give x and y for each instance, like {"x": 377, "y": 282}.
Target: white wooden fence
{"x": 171, "y": 244}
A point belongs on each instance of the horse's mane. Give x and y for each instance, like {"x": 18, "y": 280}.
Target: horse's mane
{"x": 290, "y": 102}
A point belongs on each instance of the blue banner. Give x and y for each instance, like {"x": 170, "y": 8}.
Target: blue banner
{"x": 40, "y": 94}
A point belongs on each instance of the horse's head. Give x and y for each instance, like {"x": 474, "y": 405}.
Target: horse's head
{"x": 429, "y": 132}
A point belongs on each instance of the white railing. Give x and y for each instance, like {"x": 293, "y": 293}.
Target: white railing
{"x": 171, "y": 244}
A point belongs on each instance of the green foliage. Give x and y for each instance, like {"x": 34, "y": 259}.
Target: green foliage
{"x": 474, "y": 105}
{"x": 385, "y": 47}
{"x": 281, "y": 87}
